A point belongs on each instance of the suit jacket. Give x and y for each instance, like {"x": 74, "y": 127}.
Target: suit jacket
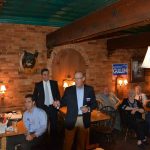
{"x": 69, "y": 99}
{"x": 39, "y": 95}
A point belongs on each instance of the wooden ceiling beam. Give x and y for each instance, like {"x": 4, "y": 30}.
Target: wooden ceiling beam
{"x": 1, "y": 3}
{"x": 119, "y": 16}
{"x": 129, "y": 42}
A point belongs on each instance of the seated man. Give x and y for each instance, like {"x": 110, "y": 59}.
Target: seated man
{"x": 109, "y": 99}
{"x": 35, "y": 120}
{"x": 134, "y": 110}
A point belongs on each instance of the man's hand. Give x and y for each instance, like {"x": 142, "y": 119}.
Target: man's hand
{"x": 29, "y": 137}
{"x": 84, "y": 109}
{"x": 56, "y": 104}
{"x": 134, "y": 111}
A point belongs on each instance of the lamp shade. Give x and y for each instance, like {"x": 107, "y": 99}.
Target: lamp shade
{"x": 3, "y": 88}
{"x": 146, "y": 62}
{"x": 65, "y": 84}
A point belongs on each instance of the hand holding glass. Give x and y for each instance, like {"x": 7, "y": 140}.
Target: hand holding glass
{"x": 84, "y": 109}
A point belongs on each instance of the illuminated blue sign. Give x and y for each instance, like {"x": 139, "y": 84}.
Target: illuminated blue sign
{"x": 120, "y": 69}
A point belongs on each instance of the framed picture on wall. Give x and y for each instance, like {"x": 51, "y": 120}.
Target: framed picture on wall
{"x": 137, "y": 73}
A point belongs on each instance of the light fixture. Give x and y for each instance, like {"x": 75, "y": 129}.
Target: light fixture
{"x": 2, "y": 91}
{"x": 68, "y": 82}
{"x": 125, "y": 81}
{"x": 146, "y": 61}
{"x": 122, "y": 81}
{"x": 65, "y": 84}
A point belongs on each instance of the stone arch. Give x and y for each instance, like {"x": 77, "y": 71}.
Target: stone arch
{"x": 80, "y": 57}
{"x": 75, "y": 47}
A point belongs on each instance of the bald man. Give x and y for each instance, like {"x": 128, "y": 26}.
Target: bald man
{"x": 80, "y": 101}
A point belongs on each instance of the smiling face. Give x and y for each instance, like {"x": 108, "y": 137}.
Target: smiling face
{"x": 138, "y": 90}
{"x": 45, "y": 75}
{"x": 79, "y": 79}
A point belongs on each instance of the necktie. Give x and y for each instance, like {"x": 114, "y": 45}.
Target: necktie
{"x": 47, "y": 97}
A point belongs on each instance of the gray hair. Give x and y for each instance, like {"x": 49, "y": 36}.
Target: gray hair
{"x": 131, "y": 93}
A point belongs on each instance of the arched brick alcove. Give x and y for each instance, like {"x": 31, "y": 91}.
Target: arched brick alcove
{"x": 65, "y": 60}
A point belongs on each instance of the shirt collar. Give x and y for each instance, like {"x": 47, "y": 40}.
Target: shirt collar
{"x": 45, "y": 81}
{"x": 32, "y": 110}
{"x": 80, "y": 88}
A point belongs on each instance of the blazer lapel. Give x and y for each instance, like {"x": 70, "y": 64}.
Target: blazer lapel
{"x": 52, "y": 86}
{"x": 85, "y": 95}
{"x": 74, "y": 94}
{"x": 42, "y": 89}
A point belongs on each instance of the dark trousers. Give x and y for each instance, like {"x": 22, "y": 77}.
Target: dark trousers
{"x": 53, "y": 118}
{"x": 25, "y": 145}
{"x": 141, "y": 128}
{"x": 147, "y": 118}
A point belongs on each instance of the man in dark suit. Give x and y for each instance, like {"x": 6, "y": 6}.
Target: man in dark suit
{"x": 80, "y": 101}
{"x": 47, "y": 96}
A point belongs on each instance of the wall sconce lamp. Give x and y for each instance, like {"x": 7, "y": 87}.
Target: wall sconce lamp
{"x": 2, "y": 91}
{"x": 146, "y": 61}
{"x": 68, "y": 82}
{"x": 122, "y": 82}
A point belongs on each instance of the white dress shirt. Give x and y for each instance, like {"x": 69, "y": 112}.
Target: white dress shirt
{"x": 48, "y": 96}
{"x": 80, "y": 96}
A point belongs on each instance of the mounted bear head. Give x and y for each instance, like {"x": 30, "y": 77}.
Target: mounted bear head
{"x": 29, "y": 59}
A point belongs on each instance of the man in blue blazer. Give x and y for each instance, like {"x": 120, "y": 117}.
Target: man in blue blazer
{"x": 80, "y": 101}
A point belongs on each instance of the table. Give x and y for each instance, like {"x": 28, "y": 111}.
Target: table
{"x": 20, "y": 130}
{"x": 95, "y": 115}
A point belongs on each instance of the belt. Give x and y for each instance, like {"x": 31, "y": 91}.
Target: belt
{"x": 80, "y": 115}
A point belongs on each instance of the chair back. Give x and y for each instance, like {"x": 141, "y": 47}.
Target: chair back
{"x": 112, "y": 113}
{"x": 99, "y": 104}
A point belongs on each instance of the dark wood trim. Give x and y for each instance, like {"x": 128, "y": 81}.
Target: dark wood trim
{"x": 122, "y": 15}
{"x": 141, "y": 40}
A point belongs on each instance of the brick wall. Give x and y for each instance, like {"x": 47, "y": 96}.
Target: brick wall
{"x": 15, "y": 38}
{"x": 99, "y": 64}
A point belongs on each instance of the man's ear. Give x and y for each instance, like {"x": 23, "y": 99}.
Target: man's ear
{"x": 83, "y": 78}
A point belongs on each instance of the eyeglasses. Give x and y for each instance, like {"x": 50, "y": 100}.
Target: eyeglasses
{"x": 78, "y": 78}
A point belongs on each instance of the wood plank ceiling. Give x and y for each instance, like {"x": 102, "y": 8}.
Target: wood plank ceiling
{"x": 49, "y": 12}
{"x": 123, "y": 18}
{"x": 81, "y": 20}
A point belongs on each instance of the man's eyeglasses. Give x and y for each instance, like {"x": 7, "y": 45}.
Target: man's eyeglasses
{"x": 78, "y": 78}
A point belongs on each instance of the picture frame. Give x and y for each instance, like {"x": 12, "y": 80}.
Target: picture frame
{"x": 137, "y": 72}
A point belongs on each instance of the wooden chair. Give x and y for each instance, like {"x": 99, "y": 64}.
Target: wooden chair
{"x": 127, "y": 130}
{"x": 106, "y": 127}
{"x": 99, "y": 104}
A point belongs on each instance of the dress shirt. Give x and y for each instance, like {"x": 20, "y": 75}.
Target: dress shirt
{"x": 108, "y": 100}
{"x": 80, "y": 96}
{"x": 48, "y": 101}
{"x": 35, "y": 121}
